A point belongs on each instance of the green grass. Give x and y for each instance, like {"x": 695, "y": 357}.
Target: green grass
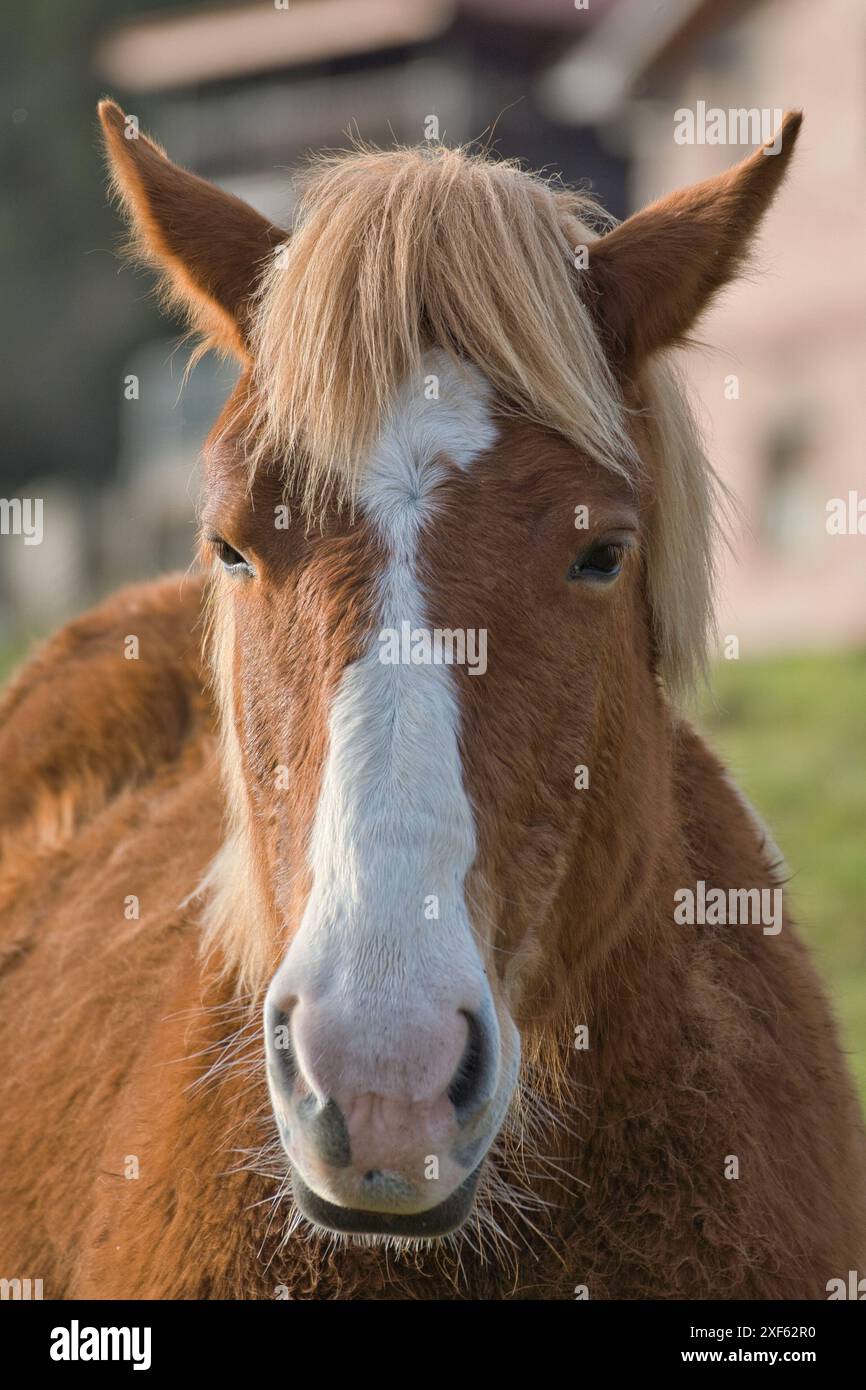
{"x": 792, "y": 730}
{"x": 12, "y": 656}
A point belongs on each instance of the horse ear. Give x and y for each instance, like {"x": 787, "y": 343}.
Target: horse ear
{"x": 209, "y": 245}
{"x": 651, "y": 277}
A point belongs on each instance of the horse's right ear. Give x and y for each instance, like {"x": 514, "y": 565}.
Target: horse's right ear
{"x": 209, "y": 246}
{"x": 651, "y": 278}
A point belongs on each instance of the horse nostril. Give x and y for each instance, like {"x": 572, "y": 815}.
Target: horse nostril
{"x": 468, "y": 1082}
{"x": 329, "y": 1135}
{"x": 279, "y": 1040}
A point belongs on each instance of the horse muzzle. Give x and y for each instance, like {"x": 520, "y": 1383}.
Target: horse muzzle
{"x": 386, "y": 1124}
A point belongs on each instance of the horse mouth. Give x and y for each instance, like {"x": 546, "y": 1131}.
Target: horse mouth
{"x": 440, "y": 1220}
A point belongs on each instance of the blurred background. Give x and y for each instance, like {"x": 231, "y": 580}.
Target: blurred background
{"x": 95, "y": 423}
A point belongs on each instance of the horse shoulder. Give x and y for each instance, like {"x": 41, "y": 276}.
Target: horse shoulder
{"x": 111, "y": 698}
{"x": 110, "y": 814}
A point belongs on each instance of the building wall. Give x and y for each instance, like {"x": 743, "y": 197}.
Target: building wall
{"x": 794, "y": 332}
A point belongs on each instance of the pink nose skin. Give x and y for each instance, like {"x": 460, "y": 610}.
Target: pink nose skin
{"x": 409, "y": 1060}
{"x": 386, "y": 1117}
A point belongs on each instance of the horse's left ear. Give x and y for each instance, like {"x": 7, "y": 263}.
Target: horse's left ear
{"x": 649, "y": 279}
{"x": 209, "y": 246}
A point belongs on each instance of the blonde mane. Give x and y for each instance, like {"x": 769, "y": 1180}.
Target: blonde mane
{"x": 396, "y": 251}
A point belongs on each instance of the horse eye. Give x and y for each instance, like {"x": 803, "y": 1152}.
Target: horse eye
{"x": 230, "y": 558}
{"x": 602, "y": 562}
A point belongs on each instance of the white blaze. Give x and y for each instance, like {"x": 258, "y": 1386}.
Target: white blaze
{"x": 394, "y": 828}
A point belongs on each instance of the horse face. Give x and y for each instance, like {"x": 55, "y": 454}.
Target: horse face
{"x": 438, "y": 712}
{"x": 411, "y": 690}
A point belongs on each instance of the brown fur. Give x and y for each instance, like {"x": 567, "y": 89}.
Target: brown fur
{"x": 120, "y": 1038}
{"x": 208, "y": 275}
{"x": 670, "y": 259}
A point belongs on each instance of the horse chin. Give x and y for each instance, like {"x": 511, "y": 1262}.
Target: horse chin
{"x": 441, "y": 1220}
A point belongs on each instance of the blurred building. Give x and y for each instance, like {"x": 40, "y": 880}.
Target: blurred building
{"x": 781, "y": 381}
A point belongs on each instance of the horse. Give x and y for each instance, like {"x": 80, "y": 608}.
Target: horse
{"x": 341, "y": 879}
